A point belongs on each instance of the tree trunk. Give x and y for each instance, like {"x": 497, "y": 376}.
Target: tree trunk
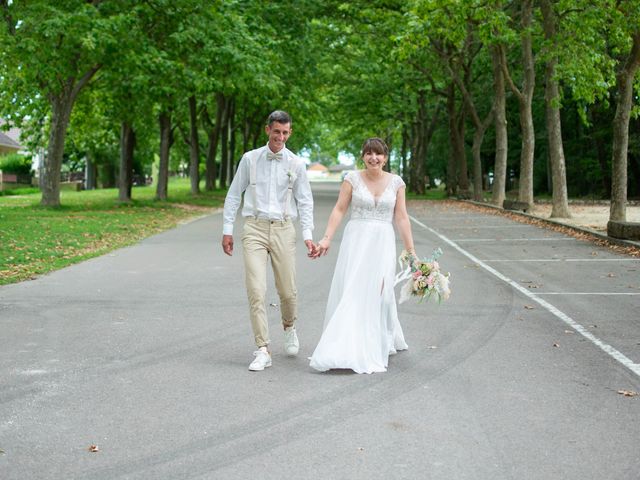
{"x": 560, "y": 198}
{"x": 423, "y": 130}
{"x": 618, "y": 211}
{"x": 61, "y": 106}
{"x": 246, "y": 131}
{"x": 89, "y": 172}
{"x": 194, "y": 147}
{"x": 232, "y": 141}
{"x": 452, "y": 164}
{"x": 525, "y": 184}
{"x": 416, "y": 182}
{"x": 107, "y": 174}
{"x": 256, "y": 136}
{"x": 525, "y": 100}
{"x": 214, "y": 136}
{"x": 457, "y": 165}
{"x": 224, "y": 144}
{"x": 210, "y": 172}
{"x": 403, "y": 154}
{"x": 500, "y": 114}
{"x": 478, "y": 137}
{"x": 598, "y": 143}
{"x": 165, "y": 148}
{"x": 127, "y": 145}
{"x": 461, "y": 154}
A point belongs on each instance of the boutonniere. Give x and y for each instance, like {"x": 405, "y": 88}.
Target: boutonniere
{"x": 292, "y": 176}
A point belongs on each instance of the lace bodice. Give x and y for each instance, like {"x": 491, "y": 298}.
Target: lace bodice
{"x": 363, "y": 203}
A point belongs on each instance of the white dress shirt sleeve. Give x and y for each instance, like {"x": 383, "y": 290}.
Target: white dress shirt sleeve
{"x": 233, "y": 199}
{"x": 304, "y": 200}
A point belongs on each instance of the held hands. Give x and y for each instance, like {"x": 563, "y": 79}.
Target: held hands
{"x": 311, "y": 248}
{"x": 322, "y": 248}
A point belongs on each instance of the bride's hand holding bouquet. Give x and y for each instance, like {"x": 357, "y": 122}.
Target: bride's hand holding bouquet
{"x": 424, "y": 278}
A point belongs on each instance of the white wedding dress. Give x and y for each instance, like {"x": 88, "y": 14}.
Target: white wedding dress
{"x": 361, "y": 326}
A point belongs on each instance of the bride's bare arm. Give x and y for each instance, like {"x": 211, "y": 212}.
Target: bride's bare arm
{"x": 337, "y": 214}
{"x": 402, "y": 221}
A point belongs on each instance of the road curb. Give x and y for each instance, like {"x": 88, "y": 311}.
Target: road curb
{"x": 594, "y": 233}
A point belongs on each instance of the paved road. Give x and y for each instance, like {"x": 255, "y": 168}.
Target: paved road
{"x": 144, "y": 353}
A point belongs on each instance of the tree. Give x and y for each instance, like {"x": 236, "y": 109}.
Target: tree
{"x": 552, "y": 114}
{"x": 500, "y": 115}
{"x": 524, "y": 96}
{"x": 52, "y": 51}
{"x": 624, "y": 82}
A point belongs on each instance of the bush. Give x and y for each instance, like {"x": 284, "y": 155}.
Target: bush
{"x": 15, "y": 163}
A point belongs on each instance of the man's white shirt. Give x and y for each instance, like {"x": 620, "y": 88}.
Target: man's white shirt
{"x": 272, "y": 183}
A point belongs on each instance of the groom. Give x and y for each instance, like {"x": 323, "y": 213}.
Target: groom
{"x": 276, "y": 191}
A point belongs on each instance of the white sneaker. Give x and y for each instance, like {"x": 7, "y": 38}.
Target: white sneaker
{"x": 291, "y": 344}
{"x": 262, "y": 360}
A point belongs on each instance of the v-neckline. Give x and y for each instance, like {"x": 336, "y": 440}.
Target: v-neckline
{"x": 375, "y": 199}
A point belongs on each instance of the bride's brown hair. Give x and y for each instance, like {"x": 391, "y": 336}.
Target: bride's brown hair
{"x": 375, "y": 145}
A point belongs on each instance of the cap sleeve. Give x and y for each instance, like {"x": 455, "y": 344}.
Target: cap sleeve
{"x": 351, "y": 177}
{"x": 398, "y": 182}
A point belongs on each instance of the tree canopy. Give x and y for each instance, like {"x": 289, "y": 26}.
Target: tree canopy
{"x": 518, "y": 97}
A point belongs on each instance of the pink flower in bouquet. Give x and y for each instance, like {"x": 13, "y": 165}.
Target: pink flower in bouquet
{"x": 423, "y": 278}
{"x": 431, "y": 280}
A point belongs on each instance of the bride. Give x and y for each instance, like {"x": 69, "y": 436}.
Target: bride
{"x": 361, "y": 326}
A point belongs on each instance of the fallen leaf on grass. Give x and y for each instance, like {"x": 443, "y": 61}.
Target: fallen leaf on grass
{"x": 94, "y": 448}
{"x": 627, "y": 393}
{"x": 529, "y": 307}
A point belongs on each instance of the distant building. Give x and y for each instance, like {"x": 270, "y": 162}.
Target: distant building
{"x": 9, "y": 140}
{"x": 340, "y": 167}
{"x": 317, "y": 170}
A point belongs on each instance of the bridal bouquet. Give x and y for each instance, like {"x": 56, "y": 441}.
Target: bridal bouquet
{"x": 424, "y": 278}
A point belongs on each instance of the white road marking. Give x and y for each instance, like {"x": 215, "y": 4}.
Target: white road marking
{"x": 608, "y": 349}
{"x": 503, "y": 260}
{"x": 478, "y": 227}
{"x": 549, "y": 239}
{"x": 588, "y": 293}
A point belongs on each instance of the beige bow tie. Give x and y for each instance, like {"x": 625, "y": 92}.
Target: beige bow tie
{"x": 274, "y": 156}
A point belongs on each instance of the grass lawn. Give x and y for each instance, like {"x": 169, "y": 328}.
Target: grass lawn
{"x": 35, "y": 240}
{"x": 430, "y": 194}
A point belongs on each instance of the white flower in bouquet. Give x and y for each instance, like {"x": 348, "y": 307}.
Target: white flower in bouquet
{"x": 424, "y": 278}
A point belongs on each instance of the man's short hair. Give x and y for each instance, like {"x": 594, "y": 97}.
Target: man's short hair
{"x": 279, "y": 116}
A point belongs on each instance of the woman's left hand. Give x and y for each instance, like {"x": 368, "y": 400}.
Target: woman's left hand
{"x": 323, "y": 248}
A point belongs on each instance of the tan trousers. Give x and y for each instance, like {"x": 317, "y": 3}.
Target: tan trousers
{"x": 264, "y": 239}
